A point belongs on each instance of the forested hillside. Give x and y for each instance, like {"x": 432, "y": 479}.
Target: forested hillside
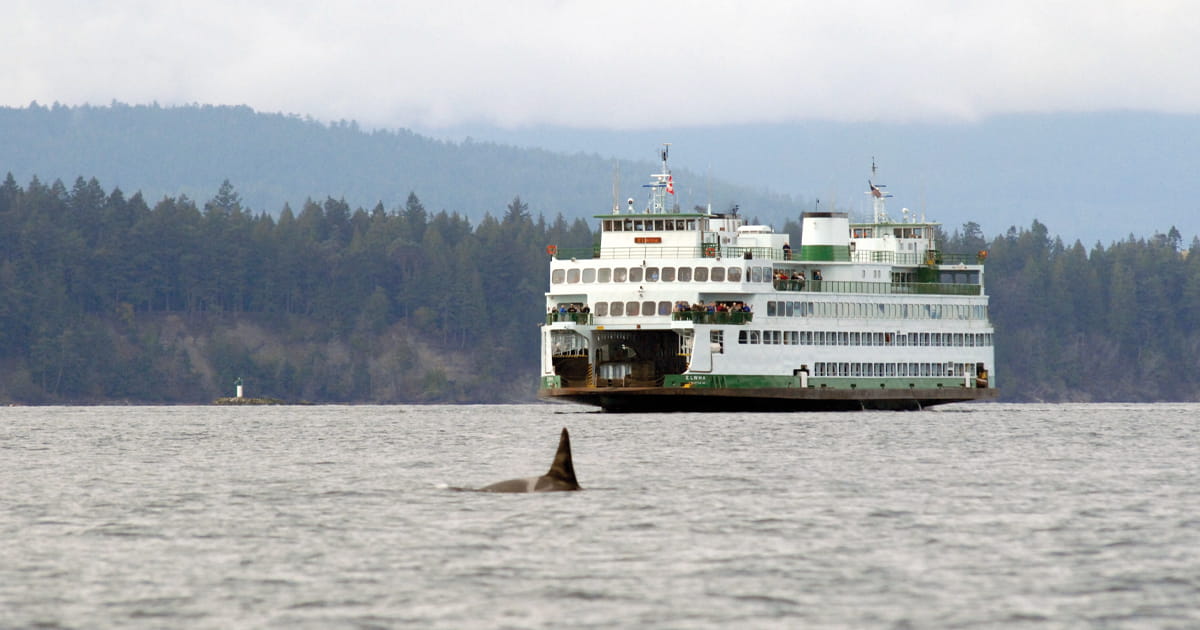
{"x": 105, "y": 298}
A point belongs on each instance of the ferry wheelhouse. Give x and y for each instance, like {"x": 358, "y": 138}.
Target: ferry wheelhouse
{"x": 699, "y": 311}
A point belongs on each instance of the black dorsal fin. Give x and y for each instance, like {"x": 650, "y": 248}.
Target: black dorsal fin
{"x": 562, "y": 469}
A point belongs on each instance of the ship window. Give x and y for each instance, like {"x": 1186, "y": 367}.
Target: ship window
{"x": 717, "y": 339}
{"x": 589, "y": 275}
{"x": 735, "y": 274}
{"x": 572, "y": 276}
{"x": 619, "y": 274}
{"x": 628, "y": 225}
{"x": 638, "y": 226}
{"x": 843, "y": 369}
{"x": 670, "y": 225}
{"x": 855, "y": 339}
{"x": 612, "y": 226}
{"x": 789, "y": 309}
{"x": 843, "y": 339}
{"x": 632, "y": 309}
{"x": 604, "y": 275}
{"x": 664, "y": 308}
{"x": 601, "y": 309}
{"x": 651, "y": 274}
{"x": 742, "y": 336}
{"x": 701, "y": 274}
{"x": 756, "y": 274}
{"x": 647, "y": 308}
{"x": 771, "y": 309}
{"x": 691, "y": 224}
{"x": 658, "y": 225}
{"x": 856, "y": 369}
{"x": 754, "y": 336}
{"x": 685, "y": 274}
{"x": 958, "y": 339}
{"x": 668, "y": 274}
{"x": 618, "y": 309}
{"x": 635, "y": 274}
{"x": 558, "y": 275}
{"x": 718, "y": 274}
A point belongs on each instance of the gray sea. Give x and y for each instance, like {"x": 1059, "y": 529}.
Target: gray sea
{"x": 995, "y": 515}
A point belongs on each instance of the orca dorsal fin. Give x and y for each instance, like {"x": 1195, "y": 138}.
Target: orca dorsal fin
{"x": 563, "y": 470}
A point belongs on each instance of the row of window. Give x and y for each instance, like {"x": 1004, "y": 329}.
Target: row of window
{"x": 839, "y": 338}
{"x": 648, "y": 225}
{"x": 822, "y": 368}
{"x": 861, "y": 310}
{"x": 664, "y": 274}
{"x": 876, "y": 310}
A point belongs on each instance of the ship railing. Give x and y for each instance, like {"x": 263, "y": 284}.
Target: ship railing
{"x": 930, "y": 257}
{"x": 704, "y": 251}
{"x": 718, "y": 317}
{"x": 888, "y": 257}
{"x": 856, "y": 286}
{"x": 575, "y": 318}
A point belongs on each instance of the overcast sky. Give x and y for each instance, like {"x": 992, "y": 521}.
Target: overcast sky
{"x": 611, "y": 64}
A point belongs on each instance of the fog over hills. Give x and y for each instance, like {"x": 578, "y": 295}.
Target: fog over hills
{"x": 1087, "y": 176}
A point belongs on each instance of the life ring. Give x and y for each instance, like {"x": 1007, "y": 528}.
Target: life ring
{"x": 552, "y": 249}
{"x": 710, "y": 252}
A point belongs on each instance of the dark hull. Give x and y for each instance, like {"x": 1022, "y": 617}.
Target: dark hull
{"x": 667, "y": 399}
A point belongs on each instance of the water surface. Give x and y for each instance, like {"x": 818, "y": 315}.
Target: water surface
{"x": 345, "y": 517}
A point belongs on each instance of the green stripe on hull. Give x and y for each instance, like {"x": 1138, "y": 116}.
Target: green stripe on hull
{"x": 759, "y": 381}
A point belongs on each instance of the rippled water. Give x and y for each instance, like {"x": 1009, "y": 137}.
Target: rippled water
{"x": 345, "y": 517}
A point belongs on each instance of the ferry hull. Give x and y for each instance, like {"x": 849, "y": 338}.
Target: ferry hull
{"x": 668, "y": 399}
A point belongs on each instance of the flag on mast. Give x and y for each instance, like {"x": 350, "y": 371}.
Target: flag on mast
{"x": 671, "y": 184}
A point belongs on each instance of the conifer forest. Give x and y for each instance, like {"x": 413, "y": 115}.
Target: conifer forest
{"x": 108, "y": 298}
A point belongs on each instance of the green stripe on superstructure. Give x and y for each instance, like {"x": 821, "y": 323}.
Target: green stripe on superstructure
{"x": 824, "y": 253}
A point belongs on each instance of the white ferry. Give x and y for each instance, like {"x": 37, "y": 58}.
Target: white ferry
{"x": 699, "y": 311}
